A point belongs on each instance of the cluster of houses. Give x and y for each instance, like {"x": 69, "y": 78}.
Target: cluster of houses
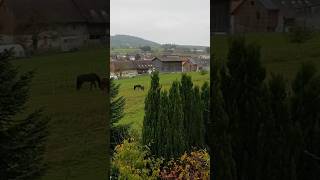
{"x": 240, "y": 16}
{"x": 63, "y": 25}
{"x": 163, "y": 63}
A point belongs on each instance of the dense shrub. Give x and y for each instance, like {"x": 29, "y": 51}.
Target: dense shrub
{"x": 298, "y": 34}
{"x": 133, "y": 161}
{"x": 194, "y": 165}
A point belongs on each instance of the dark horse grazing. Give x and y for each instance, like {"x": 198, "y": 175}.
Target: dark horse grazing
{"x": 138, "y": 86}
{"x": 92, "y": 78}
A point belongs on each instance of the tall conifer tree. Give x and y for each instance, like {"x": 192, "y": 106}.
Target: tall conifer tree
{"x": 243, "y": 90}
{"x": 118, "y": 132}
{"x": 151, "y": 109}
{"x": 22, "y": 141}
{"x": 178, "y": 145}
{"x": 165, "y": 131}
{"x": 222, "y": 164}
{"x": 197, "y": 129}
{"x": 187, "y": 97}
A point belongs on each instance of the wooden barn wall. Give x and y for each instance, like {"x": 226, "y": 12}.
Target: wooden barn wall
{"x": 252, "y": 16}
{"x": 220, "y": 16}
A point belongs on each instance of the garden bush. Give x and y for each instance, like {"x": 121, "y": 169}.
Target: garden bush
{"x": 194, "y": 165}
{"x": 133, "y": 161}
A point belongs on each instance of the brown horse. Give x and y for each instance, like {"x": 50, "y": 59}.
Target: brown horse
{"x": 138, "y": 86}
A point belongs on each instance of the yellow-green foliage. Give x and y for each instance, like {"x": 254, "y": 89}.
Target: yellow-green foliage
{"x": 133, "y": 161}
{"x": 194, "y": 165}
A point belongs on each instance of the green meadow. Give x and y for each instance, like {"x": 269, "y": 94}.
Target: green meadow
{"x": 277, "y": 54}
{"x": 77, "y": 143}
{"x": 134, "y": 109}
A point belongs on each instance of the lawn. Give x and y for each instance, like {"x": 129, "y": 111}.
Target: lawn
{"x": 134, "y": 109}
{"x": 277, "y": 54}
{"x": 77, "y": 144}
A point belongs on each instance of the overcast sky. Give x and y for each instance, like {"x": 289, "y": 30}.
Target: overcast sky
{"x": 185, "y": 22}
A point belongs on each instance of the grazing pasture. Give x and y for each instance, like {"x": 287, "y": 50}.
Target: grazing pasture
{"x": 76, "y": 146}
{"x": 134, "y": 109}
{"x": 277, "y": 54}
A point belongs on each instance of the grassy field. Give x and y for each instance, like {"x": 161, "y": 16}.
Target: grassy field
{"x": 76, "y": 147}
{"x": 77, "y": 144}
{"x": 278, "y": 55}
{"x": 134, "y": 109}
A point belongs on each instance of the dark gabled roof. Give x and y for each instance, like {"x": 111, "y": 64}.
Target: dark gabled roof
{"x": 143, "y": 64}
{"x": 169, "y": 58}
{"x": 268, "y": 4}
{"x": 193, "y": 61}
{"x": 201, "y": 62}
{"x": 94, "y": 11}
{"x": 59, "y": 11}
{"x": 288, "y": 7}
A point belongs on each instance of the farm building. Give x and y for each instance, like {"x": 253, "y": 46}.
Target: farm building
{"x": 220, "y": 21}
{"x": 168, "y": 63}
{"x": 239, "y": 16}
{"x": 123, "y": 68}
{"x": 143, "y": 66}
{"x": 189, "y": 65}
{"x": 301, "y": 12}
{"x": 58, "y": 24}
{"x": 203, "y": 64}
{"x": 254, "y": 16}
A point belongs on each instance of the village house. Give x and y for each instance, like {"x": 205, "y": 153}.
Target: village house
{"x": 123, "y": 68}
{"x": 168, "y": 63}
{"x": 196, "y": 64}
{"x": 53, "y": 24}
{"x": 144, "y": 66}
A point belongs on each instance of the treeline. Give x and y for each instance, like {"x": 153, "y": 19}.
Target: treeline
{"x": 263, "y": 128}
{"x": 174, "y": 120}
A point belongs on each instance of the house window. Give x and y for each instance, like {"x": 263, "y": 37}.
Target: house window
{"x": 252, "y": 3}
{"x": 258, "y": 15}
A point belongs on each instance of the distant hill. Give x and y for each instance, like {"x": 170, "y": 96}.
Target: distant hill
{"x": 131, "y": 41}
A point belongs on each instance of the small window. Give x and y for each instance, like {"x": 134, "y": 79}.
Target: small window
{"x": 252, "y": 3}
{"x": 258, "y": 15}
